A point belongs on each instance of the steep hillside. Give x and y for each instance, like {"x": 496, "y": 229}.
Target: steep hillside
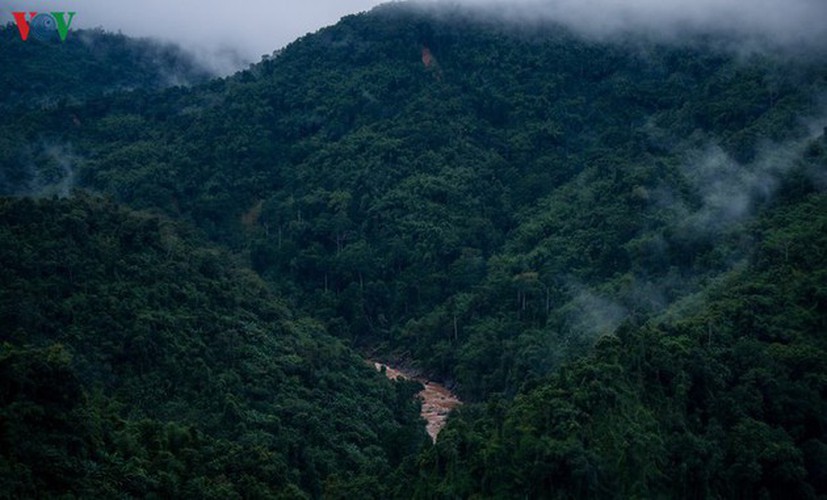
{"x": 724, "y": 398}
{"x": 595, "y": 241}
{"x": 89, "y": 63}
{"x": 473, "y": 212}
{"x": 136, "y": 362}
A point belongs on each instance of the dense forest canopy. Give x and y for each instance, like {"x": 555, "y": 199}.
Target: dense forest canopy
{"x": 89, "y": 63}
{"x": 613, "y": 249}
{"x": 138, "y": 360}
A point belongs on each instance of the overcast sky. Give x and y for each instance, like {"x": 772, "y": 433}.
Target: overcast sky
{"x": 780, "y": 22}
{"x": 252, "y": 28}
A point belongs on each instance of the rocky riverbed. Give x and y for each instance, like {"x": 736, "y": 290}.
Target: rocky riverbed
{"x": 437, "y": 401}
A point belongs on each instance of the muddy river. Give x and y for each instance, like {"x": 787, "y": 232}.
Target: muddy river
{"x": 437, "y": 401}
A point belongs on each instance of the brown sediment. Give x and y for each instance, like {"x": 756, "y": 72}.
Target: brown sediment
{"x": 437, "y": 401}
{"x": 427, "y": 57}
{"x": 250, "y": 218}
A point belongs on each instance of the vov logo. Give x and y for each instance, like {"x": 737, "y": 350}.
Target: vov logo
{"x": 44, "y": 26}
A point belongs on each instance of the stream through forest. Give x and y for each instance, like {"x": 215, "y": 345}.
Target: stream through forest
{"x": 437, "y": 401}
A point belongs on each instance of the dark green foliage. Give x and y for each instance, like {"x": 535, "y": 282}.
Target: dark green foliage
{"x": 88, "y": 64}
{"x": 506, "y": 187}
{"x": 725, "y": 401}
{"x": 614, "y": 250}
{"x": 136, "y": 362}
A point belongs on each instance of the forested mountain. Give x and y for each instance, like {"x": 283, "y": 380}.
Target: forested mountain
{"x": 726, "y": 399}
{"x": 138, "y": 361}
{"x": 89, "y": 63}
{"x": 613, "y": 249}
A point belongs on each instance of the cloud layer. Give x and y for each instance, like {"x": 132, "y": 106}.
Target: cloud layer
{"x": 244, "y": 30}
{"x": 224, "y": 33}
{"x": 784, "y": 23}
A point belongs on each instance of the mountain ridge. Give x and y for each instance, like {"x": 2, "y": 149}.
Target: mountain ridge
{"x": 544, "y": 222}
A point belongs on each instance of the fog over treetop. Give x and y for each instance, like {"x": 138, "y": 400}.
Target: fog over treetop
{"x": 226, "y": 34}
{"x": 231, "y": 34}
{"x": 778, "y": 23}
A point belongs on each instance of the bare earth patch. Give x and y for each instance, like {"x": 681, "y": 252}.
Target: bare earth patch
{"x": 437, "y": 401}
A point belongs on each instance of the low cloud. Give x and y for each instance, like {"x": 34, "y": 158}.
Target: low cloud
{"x": 226, "y": 36}
{"x": 43, "y": 170}
{"x": 729, "y": 191}
{"x": 794, "y": 24}
{"x": 591, "y": 315}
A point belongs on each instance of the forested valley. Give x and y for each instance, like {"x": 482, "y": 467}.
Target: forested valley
{"x": 613, "y": 250}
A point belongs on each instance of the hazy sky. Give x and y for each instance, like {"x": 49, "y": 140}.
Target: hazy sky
{"x": 256, "y": 27}
{"x": 250, "y": 27}
{"x": 780, "y": 22}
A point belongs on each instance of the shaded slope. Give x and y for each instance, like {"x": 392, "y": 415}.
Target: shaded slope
{"x": 136, "y": 361}
{"x": 466, "y": 220}
{"x": 724, "y": 398}
{"x": 518, "y": 223}
{"x": 471, "y": 221}
{"x": 88, "y": 64}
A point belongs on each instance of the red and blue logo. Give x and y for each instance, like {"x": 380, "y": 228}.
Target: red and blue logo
{"x": 44, "y": 26}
